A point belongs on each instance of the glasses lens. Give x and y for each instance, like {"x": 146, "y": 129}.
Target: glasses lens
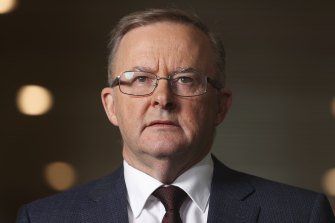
{"x": 189, "y": 84}
{"x": 137, "y": 83}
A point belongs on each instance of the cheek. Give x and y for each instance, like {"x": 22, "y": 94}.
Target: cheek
{"x": 198, "y": 117}
{"x": 209, "y": 112}
{"x": 130, "y": 114}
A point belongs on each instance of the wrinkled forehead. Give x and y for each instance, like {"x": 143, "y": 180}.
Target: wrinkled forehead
{"x": 167, "y": 44}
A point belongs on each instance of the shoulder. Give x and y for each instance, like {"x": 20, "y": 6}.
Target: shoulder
{"x": 282, "y": 201}
{"x": 261, "y": 186}
{"x": 90, "y": 191}
{"x": 275, "y": 200}
{"x": 70, "y": 204}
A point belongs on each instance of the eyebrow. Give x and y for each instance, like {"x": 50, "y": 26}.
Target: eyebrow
{"x": 185, "y": 69}
{"x": 178, "y": 69}
{"x": 142, "y": 69}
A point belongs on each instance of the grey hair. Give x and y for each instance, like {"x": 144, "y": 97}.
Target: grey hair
{"x": 150, "y": 16}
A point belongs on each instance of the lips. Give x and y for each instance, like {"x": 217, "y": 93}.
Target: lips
{"x": 162, "y": 123}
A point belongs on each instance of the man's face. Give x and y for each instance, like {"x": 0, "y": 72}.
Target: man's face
{"x": 164, "y": 126}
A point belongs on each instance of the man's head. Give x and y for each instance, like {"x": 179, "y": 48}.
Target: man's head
{"x": 163, "y": 132}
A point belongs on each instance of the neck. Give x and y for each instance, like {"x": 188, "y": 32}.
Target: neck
{"x": 163, "y": 169}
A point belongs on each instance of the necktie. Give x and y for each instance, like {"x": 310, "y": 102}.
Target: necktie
{"x": 172, "y": 198}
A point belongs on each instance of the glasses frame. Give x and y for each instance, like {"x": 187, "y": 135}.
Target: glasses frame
{"x": 214, "y": 83}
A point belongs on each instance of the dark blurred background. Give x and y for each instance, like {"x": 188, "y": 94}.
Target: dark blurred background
{"x": 280, "y": 65}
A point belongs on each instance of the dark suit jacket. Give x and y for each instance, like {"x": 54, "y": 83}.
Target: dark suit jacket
{"x": 235, "y": 198}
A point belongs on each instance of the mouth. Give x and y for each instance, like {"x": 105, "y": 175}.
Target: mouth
{"x": 162, "y": 123}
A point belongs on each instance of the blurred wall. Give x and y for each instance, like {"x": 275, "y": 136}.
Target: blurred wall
{"x": 280, "y": 66}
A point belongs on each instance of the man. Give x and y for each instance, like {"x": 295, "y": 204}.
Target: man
{"x": 167, "y": 96}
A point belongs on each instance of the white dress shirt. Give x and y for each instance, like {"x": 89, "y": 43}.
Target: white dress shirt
{"x": 144, "y": 207}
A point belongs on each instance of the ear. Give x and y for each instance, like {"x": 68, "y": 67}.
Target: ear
{"x": 224, "y": 104}
{"x": 108, "y": 101}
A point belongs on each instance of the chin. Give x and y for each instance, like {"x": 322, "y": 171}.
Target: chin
{"x": 166, "y": 151}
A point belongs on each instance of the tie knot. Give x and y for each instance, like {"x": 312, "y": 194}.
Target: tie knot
{"x": 172, "y": 197}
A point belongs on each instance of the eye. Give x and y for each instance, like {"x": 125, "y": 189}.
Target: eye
{"x": 141, "y": 79}
{"x": 137, "y": 77}
{"x": 185, "y": 80}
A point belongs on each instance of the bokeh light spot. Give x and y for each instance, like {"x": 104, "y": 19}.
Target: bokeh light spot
{"x": 34, "y": 100}
{"x": 7, "y": 6}
{"x": 328, "y": 182}
{"x": 60, "y": 175}
{"x": 332, "y": 107}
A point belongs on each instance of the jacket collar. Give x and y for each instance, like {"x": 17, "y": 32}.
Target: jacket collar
{"x": 230, "y": 192}
{"x": 109, "y": 197}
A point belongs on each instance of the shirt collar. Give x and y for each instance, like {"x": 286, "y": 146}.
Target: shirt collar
{"x": 196, "y": 182}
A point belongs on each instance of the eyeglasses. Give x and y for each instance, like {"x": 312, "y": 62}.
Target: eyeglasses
{"x": 187, "y": 83}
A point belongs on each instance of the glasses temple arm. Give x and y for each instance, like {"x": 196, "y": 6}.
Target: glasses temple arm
{"x": 216, "y": 84}
{"x": 115, "y": 81}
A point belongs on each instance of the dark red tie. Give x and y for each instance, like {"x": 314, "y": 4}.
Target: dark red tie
{"x": 172, "y": 198}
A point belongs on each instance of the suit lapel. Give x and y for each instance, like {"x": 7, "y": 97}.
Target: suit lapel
{"x": 229, "y": 197}
{"x": 228, "y": 200}
{"x": 109, "y": 201}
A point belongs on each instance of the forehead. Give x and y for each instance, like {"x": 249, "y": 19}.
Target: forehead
{"x": 167, "y": 45}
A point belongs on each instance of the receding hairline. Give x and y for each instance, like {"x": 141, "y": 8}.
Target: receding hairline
{"x": 188, "y": 31}
{"x": 152, "y": 16}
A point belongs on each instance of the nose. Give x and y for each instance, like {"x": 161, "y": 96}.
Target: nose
{"x": 163, "y": 96}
